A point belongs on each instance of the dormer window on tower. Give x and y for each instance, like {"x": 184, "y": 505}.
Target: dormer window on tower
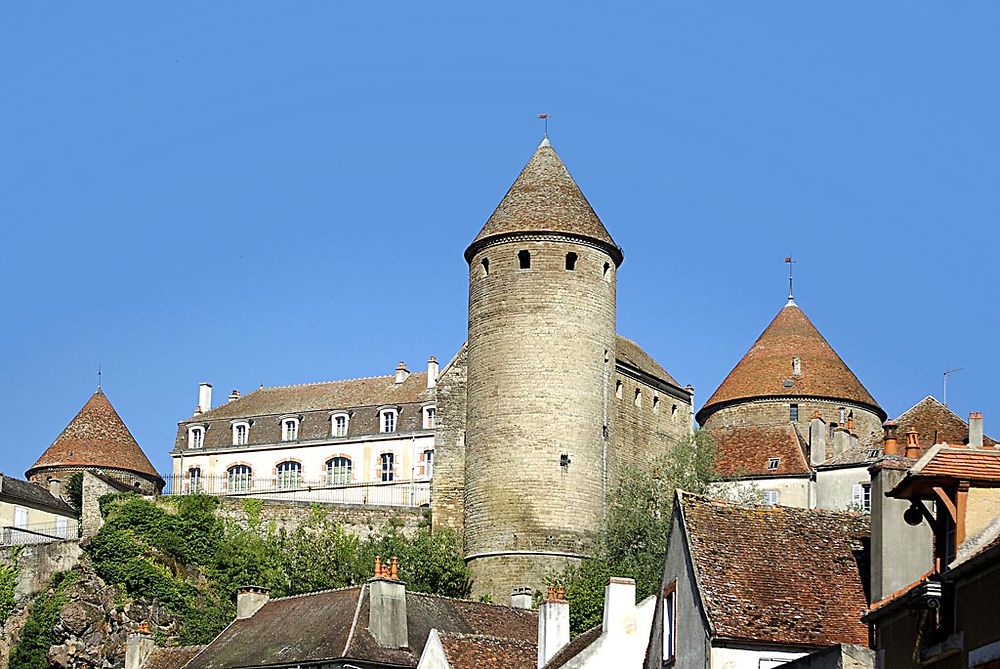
{"x": 796, "y": 366}
{"x": 289, "y": 428}
{"x": 524, "y": 259}
{"x": 196, "y": 436}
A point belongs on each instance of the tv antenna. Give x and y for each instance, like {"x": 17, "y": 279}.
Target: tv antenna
{"x": 946, "y": 373}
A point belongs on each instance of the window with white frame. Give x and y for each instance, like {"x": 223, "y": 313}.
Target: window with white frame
{"x": 387, "y": 466}
{"x": 428, "y": 458}
{"x": 338, "y": 470}
{"x": 194, "y": 480}
{"x": 670, "y": 622}
{"x": 429, "y": 416}
{"x": 387, "y": 420}
{"x": 239, "y": 479}
{"x": 338, "y": 424}
{"x": 861, "y": 496}
{"x": 770, "y": 497}
{"x": 289, "y": 474}
{"x": 289, "y": 429}
{"x": 241, "y": 433}
{"x": 196, "y": 436}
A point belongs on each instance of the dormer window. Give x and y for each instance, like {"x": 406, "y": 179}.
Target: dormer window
{"x": 289, "y": 429}
{"x": 429, "y": 416}
{"x": 772, "y": 463}
{"x": 196, "y": 437}
{"x": 796, "y": 366}
{"x": 338, "y": 424}
{"x": 241, "y": 433}
{"x": 387, "y": 420}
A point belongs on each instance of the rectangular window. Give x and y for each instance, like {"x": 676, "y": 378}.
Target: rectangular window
{"x": 20, "y": 517}
{"x": 197, "y": 438}
{"x": 770, "y": 497}
{"x": 772, "y": 463}
{"x": 429, "y": 463}
{"x": 429, "y": 418}
{"x": 240, "y": 434}
{"x": 861, "y": 496}
{"x": 670, "y": 622}
{"x": 194, "y": 480}
{"x": 290, "y": 431}
{"x": 388, "y": 421}
{"x": 340, "y": 426}
{"x": 793, "y": 413}
{"x": 386, "y": 466}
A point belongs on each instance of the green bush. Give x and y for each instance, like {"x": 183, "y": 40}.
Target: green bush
{"x": 8, "y": 579}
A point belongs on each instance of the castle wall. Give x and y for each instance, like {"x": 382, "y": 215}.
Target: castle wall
{"x": 448, "y": 484}
{"x": 867, "y": 425}
{"x": 540, "y": 370}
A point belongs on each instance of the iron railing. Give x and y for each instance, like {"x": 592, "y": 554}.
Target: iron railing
{"x": 36, "y": 533}
{"x": 408, "y": 492}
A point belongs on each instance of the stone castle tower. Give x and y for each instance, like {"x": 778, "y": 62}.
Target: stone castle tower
{"x": 540, "y": 366}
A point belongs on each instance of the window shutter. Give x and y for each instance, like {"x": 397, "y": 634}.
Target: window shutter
{"x": 857, "y": 494}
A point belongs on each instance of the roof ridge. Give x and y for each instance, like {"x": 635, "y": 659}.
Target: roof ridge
{"x": 469, "y": 601}
{"x": 490, "y": 637}
{"x": 315, "y": 592}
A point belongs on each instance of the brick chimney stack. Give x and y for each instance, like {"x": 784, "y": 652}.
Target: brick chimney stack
{"x": 912, "y": 444}
{"x": 976, "y": 429}
{"x": 387, "y": 605}
{"x": 553, "y": 625}
{"x": 890, "y": 445}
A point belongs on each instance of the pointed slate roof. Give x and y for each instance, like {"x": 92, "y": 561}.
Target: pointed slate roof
{"x": 545, "y": 198}
{"x": 766, "y": 369}
{"x": 96, "y": 437}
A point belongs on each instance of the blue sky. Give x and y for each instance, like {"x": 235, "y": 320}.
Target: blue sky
{"x": 279, "y": 193}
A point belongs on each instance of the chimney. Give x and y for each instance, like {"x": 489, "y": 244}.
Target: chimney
{"x": 432, "y": 372}
{"x": 387, "y": 606}
{"x": 235, "y": 395}
{"x": 204, "y": 397}
{"x": 553, "y": 625}
{"x": 402, "y": 373}
{"x": 619, "y": 606}
{"x": 817, "y": 439}
{"x": 890, "y": 446}
{"x": 841, "y": 440}
{"x": 55, "y": 487}
{"x": 250, "y": 599}
{"x": 976, "y": 429}
{"x": 140, "y": 645}
{"x": 912, "y": 444}
{"x": 520, "y": 598}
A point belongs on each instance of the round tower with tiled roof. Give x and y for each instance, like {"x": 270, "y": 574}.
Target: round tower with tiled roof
{"x": 97, "y": 440}
{"x": 541, "y": 355}
{"x": 788, "y": 375}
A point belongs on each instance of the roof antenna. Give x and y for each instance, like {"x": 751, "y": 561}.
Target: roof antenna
{"x": 791, "y": 295}
{"x": 545, "y": 138}
{"x": 946, "y": 373}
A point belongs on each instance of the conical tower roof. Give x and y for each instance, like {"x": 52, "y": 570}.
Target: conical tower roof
{"x": 545, "y": 198}
{"x": 766, "y": 369}
{"x": 96, "y": 437}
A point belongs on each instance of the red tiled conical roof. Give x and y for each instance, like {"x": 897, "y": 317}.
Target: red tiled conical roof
{"x": 96, "y": 437}
{"x": 545, "y": 198}
{"x": 766, "y": 369}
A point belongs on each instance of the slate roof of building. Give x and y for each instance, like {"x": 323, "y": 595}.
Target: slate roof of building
{"x": 30, "y": 493}
{"x": 579, "y": 644}
{"x": 334, "y": 624}
{"x": 935, "y": 423}
{"x": 476, "y": 651}
{"x": 280, "y": 400}
{"x": 171, "y": 658}
{"x": 766, "y": 369}
{"x": 544, "y": 198}
{"x": 778, "y": 574}
{"x": 96, "y": 437}
{"x": 632, "y": 354}
{"x": 745, "y": 450}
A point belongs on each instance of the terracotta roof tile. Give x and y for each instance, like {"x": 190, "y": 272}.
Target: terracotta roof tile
{"x": 544, "y": 198}
{"x": 935, "y": 423}
{"x": 779, "y": 574}
{"x": 474, "y": 651}
{"x": 579, "y": 644}
{"x": 766, "y": 369}
{"x": 977, "y": 465}
{"x": 96, "y": 437}
{"x": 746, "y": 450}
{"x": 171, "y": 658}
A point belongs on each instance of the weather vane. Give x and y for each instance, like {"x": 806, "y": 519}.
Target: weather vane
{"x": 98, "y": 376}
{"x": 791, "y": 295}
{"x": 545, "y": 119}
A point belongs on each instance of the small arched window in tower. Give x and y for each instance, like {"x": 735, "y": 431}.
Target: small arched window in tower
{"x": 796, "y": 366}
{"x": 618, "y": 389}
{"x": 486, "y": 267}
{"x": 524, "y": 259}
{"x": 607, "y": 270}
{"x": 638, "y": 397}
{"x": 571, "y": 261}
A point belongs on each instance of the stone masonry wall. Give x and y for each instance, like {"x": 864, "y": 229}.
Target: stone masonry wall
{"x": 361, "y": 521}
{"x": 448, "y": 484}
{"x": 540, "y": 367}
{"x": 867, "y": 425}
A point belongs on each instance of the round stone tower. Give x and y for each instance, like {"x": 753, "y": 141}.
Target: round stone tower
{"x": 540, "y": 364}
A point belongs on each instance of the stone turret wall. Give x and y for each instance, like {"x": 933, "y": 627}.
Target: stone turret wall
{"x": 448, "y": 484}
{"x": 540, "y": 378}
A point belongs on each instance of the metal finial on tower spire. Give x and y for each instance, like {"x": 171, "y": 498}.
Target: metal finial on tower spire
{"x": 791, "y": 293}
{"x": 98, "y": 376}
{"x": 545, "y": 120}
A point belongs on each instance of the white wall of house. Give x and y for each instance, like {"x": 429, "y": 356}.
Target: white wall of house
{"x": 791, "y": 491}
{"x": 835, "y": 488}
{"x": 740, "y": 658}
{"x": 15, "y": 514}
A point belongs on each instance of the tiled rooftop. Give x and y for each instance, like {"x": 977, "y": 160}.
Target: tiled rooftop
{"x": 935, "y": 423}
{"x": 475, "y": 651}
{"x": 746, "y": 450}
